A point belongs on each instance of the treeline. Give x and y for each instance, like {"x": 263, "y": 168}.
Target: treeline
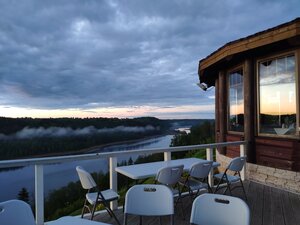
{"x": 203, "y": 133}
{"x": 12, "y": 148}
{"x": 200, "y": 134}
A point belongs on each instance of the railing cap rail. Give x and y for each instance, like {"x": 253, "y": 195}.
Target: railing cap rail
{"x": 68, "y": 158}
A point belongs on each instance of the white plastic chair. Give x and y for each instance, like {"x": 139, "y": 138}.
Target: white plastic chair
{"x": 16, "y": 212}
{"x": 170, "y": 176}
{"x": 95, "y": 198}
{"x": 149, "y": 200}
{"x": 215, "y": 209}
{"x": 235, "y": 166}
{"x": 197, "y": 178}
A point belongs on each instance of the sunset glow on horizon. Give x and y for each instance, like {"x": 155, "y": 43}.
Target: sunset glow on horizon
{"x": 178, "y": 112}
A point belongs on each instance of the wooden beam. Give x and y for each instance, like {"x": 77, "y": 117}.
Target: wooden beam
{"x": 249, "y": 119}
{"x": 217, "y": 121}
{"x": 222, "y": 110}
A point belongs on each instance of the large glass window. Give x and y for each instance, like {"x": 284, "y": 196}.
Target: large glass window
{"x": 236, "y": 101}
{"x": 277, "y": 96}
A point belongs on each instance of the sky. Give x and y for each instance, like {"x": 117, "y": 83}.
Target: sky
{"x": 119, "y": 58}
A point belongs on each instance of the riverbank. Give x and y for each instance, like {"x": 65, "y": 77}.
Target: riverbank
{"x": 96, "y": 148}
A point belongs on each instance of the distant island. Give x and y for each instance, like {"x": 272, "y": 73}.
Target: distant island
{"x": 30, "y": 137}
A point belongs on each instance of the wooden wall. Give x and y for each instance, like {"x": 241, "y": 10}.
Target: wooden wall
{"x": 283, "y": 153}
{"x": 278, "y": 153}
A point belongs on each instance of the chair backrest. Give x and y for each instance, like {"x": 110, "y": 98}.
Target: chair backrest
{"x": 16, "y": 212}
{"x": 86, "y": 179}
{"x": 201, "y": 170}
{"x": 149, "y": 200}
{"x": 169, "y": 175}
{"x": 212, "y": 209}
{"x": 237, "y": 164}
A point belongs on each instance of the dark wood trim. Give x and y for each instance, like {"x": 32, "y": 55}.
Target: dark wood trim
{"x": 217, "y": 121}
{"x": 222, "y": 109}
{"x": 297, "y": 58}
{"x": 249, "y": 110}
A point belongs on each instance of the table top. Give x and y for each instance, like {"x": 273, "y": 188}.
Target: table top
{"x": 70, "y": 220}
{"x": 146, "y": 170}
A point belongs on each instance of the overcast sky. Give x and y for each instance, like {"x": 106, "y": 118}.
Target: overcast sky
{"x": 119, "y": 58}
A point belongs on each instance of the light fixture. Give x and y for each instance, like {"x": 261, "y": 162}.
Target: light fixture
{"x": 203, "y": 86}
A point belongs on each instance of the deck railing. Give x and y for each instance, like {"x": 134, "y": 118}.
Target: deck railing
{"x": 39, "y": 164}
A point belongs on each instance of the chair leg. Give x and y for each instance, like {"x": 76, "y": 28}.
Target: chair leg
{"x": 218, "y": 185}
{"x": 85, "y": 206}
{"x": 172, "y": 220}
{"x": 111, "y": 212}
{"x": 93, "y": 211}
{"x": 244, "y": 189}
{"x": 228, "y": 186}
{"x": 125, "y": 219}
{"x": 179, "y": 199}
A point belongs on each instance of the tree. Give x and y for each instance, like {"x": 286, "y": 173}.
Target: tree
{"x": 130, "y": 161}
{"x": 23, "y": 195}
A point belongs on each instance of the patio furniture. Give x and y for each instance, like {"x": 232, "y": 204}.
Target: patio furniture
{"x": 170, "y": 177}
{"x": 149, "y": 200}
{"x": 213, "y": 209}
{"x": 95, "y": 198}
{"x": 235, "y": 166}
{"x": 16, "y": 212}
{"x": 197, "y": 178}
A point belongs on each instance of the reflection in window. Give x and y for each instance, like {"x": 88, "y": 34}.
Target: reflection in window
{"x": 277, "y": 100}
{"x": 236, "y": 101}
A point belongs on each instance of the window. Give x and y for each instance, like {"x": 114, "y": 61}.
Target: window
{"x": 277, "y": 96}
{"x": 236, "y": 101}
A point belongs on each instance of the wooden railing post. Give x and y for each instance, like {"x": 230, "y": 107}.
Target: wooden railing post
{"x": 113, "y": 179}
{"x": 39, "y": 194}
{"x": 242, "y": 153}
{"x": 167, "y": 156}
{"x": 209, "y": 156}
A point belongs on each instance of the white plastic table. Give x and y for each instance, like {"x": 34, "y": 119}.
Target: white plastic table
{"x": 70, "y": 220}
{"x": 146, "y": 170}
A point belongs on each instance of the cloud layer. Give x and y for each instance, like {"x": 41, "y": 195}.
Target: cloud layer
{"x": 40, "y": 132}
{"x": 97, "y": 54}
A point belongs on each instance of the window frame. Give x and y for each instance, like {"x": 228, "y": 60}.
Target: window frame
{"x": 233, "y": 69}
{"x": 296, "y": 54}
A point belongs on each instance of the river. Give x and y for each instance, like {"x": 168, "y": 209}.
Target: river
{"x": 59, "y": 175}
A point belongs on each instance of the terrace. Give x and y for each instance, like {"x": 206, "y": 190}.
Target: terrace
{"x": 268, "y": 205}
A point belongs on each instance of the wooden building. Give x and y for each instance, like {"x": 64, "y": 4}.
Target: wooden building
{"x": 257, "y": 81}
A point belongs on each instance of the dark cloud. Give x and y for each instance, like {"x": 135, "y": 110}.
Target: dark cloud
{"x": 74, "y": 54}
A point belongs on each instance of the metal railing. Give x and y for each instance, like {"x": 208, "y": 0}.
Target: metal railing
{"x": 39, "y": 163}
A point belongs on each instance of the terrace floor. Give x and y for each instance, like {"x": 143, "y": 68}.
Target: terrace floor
{"x": 268, "y": 206}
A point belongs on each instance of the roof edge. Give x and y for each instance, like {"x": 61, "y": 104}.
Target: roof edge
{"x": 291, "y": 28}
